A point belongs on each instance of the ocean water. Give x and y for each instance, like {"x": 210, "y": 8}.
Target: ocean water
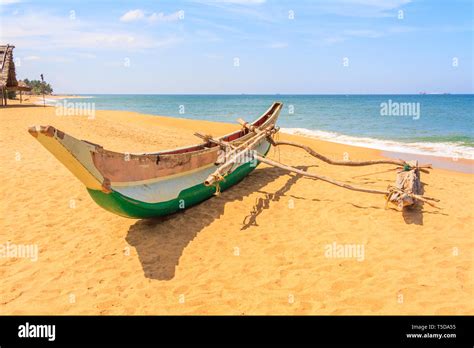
{"x": 441, "y": 125}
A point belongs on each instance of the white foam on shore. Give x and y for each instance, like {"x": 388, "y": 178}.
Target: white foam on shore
{"x": 453, "y": 150}
{"x": 58, "y": 99}
{"x": 49, "y": 102}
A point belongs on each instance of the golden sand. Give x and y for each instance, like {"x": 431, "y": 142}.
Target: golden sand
{"x": 259, "y": 248}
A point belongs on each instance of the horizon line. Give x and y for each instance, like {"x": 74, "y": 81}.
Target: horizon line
{"x": 260, "y": 94}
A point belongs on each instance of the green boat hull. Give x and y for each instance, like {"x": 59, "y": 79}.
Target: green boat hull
{"x": 128, "y": 207}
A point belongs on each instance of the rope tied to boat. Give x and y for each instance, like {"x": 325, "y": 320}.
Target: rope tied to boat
{"x": 207, "y": 138}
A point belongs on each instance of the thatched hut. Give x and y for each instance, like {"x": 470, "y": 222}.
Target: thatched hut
{"x": 8, "y": 81}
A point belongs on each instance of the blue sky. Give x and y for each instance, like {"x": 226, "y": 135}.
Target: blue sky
{"x": 390, "y": 46}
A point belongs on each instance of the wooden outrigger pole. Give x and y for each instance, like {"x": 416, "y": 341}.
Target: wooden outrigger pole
{"x": 405, "y": 192}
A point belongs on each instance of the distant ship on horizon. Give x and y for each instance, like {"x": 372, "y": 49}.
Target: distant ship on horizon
{"x": 444, "y": 93}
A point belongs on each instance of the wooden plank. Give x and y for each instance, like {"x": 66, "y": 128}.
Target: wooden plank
{"x": 408, "y": 183}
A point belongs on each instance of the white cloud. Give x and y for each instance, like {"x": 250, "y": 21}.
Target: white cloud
{"x": 132, "y": 15}
{"x": 140, "y": 15}
{"x": 121, "y": 40}
{"x": 382, "y": 4}
{"x": 30, "y": 31}
{"x": 362, "y": 8}
{"x": 248, "y": 8}
{"x": 161, "y": 17}
{"x": 346, "y": 35}
{"x": 355, "y": 33}
{"x": 107, "y": 40}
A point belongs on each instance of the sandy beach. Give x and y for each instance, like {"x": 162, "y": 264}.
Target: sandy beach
{"x": 258, "y": 248}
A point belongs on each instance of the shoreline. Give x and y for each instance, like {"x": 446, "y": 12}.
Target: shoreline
{"x": 49, "y": 100}
{"x": 447, "y": 150}
{"x": 462, "y": 165}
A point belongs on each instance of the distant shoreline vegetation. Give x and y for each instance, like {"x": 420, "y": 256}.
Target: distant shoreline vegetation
{"x": 37, "y": 88}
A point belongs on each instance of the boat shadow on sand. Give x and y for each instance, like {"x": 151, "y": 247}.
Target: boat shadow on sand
{"x": 160, "y": 242}
{"x": 414, "y": 214}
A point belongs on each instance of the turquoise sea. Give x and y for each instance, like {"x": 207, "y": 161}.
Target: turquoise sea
{"x": 441, "y": 125}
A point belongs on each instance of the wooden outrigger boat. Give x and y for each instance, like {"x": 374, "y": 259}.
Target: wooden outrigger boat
{"x": 155, "y": 184}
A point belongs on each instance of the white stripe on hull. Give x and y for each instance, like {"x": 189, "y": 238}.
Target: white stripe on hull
{"x": 167, "y": 189}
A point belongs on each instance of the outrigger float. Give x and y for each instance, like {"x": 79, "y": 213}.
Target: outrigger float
{"x": 155, "y": 184}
